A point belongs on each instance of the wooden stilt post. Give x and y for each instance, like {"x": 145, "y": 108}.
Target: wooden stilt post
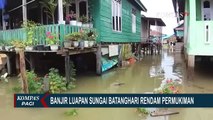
{"x": 98, "y": 60}
{"x": 151, "y": 49}
{"x": 67, "y": 67}
{"x": 158, "y": 48}
{"x": 120, "y": 55}
{"x": 191, "y": 65}
{"x": 144, "y": 49}
{"x": 139, "y": 51}
{"x": 9, "y": 70}
{"x": 17, "y": 64}
{"x": 23, "y": 71}
{"x": 32, "y": 62}
{"x": 191, "y": 61}
{"x": 149, "y": 30}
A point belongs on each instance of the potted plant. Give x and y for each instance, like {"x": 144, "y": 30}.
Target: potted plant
{"x": 92, "y": 36}
{"x": 8, "y": 46}
{"x": 75, "y": 37}
{"x": 40, "y": 46}
{"x": 81, "y": 20}
{"x": 2, "y": 45}
{"x": 30, "y": 28}
{"x": 29, "y": 45}
{"x": 52, "y": 41}
{"x": 84, "y": 41}
{"x": 79, "y": 23}
{"x": 68, "y": 41}
{"x": 169, "y": 87}
{"x": 18, "y": 45}
{"x": 71, "y": 18}
{"x": 84, "y": 21}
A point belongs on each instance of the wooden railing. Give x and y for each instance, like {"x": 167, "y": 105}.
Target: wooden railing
{"x": 40, "y": 33}
{"x": 8, "y": 35}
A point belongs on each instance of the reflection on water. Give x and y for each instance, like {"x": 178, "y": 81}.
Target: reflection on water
{"x": 141, "y": 77}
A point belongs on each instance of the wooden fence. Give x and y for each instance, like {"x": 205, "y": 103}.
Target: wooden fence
{"x": 39, "y": 33}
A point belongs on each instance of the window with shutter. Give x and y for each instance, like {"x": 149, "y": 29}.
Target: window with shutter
{"x": 116, "y": 15}
{"x": 133, "y": 20}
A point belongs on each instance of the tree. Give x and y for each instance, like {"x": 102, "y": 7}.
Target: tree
{"x": 50, "y": 7}
{"x": 68, "y": 2}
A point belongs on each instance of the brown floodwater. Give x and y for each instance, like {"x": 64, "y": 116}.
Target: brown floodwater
{"x": 141, "y": 77}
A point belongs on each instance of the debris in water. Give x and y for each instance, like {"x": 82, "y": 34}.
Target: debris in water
{"x": 6, "y": 80}
{"x": 161, "y": 71}
{"x": 119, "y": 84}
{"x": 123, "y": 68}
{"x": 143, "y": 111}
{"x": 4, "y": 77}
{"x": 163, "y": 113}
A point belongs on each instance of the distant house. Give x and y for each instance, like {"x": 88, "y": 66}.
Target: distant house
{"x": 156, "y": 36}
{"x": 147, "y": 33}
{"x": 179, "y": 32}
{"x": 198, "y": 34}
{"x": 172, "y": 39}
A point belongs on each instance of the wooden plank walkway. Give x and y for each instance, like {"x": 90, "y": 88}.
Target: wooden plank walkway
{"x": 75, "y": 51}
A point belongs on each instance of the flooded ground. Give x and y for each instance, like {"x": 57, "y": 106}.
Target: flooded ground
{"x": 141, "y": 77}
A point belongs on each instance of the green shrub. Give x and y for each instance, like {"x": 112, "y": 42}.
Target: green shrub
{"x": 16, "y": 89}
{"x": 34, "y": 83}
{"x": 18, "y": 43}
{"x": 2, "y": 42}
{"x": 72, "y": 112}
{"x": 57, "y": 82}
{"x": 170, "y": 87}
{"x": 143, "y": 111}
{"x": 72, "y": 73}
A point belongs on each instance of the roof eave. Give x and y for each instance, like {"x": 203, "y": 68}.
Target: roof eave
{"x": 143, "y": 8}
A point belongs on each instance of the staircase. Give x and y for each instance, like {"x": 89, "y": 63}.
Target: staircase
{"x": 3, "y": 61}
{"x": 179, "y": 47}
